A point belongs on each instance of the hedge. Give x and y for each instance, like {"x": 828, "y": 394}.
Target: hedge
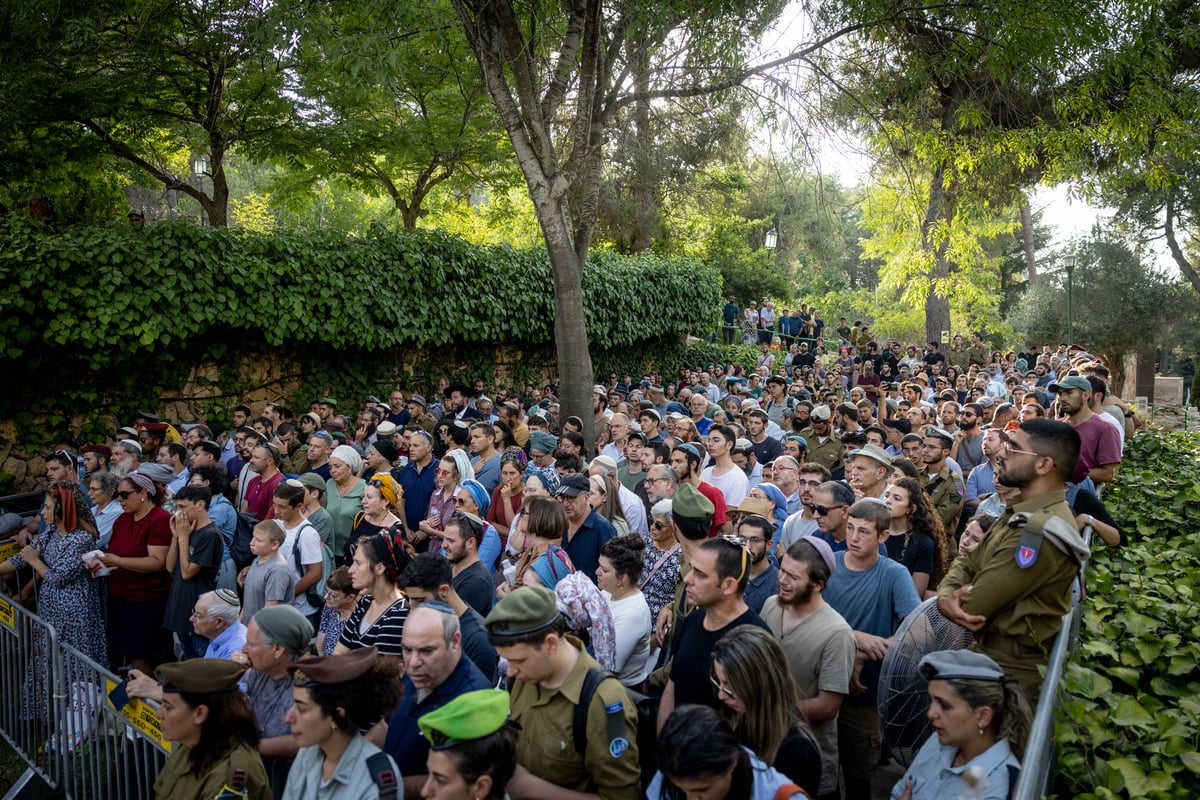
{"x": 1130, "y": 722}
{"x": 105, "y": 317}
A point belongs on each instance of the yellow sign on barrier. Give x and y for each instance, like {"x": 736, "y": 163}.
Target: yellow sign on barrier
{"x": 8, "y": 617}
{"x": 8, "y": 550}
{"x": 142, "y": 717}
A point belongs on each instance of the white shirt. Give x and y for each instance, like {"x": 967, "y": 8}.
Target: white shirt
{"x": 632, "y": 624}
{"x": 733, "y": 484}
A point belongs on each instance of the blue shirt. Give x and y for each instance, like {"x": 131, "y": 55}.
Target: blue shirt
{"x": 418, "y": 488}
{"x": 488, "y": 472}
{"x": 981, "y": 480}
{"x": 404, "y": 740}
{"x": 230, "y": 642}
{"x": 873, "y": 601}
{"x": 934, "y": 778}
{"x": 221, "y": 512}
{"x": 584, "y": 546}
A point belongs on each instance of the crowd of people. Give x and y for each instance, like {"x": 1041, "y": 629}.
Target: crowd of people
{"x": 467, "y": 598}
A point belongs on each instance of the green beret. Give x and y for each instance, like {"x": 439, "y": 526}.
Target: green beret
{"x": 688, "y": 502}
{"x": 333, "y": 669}
{"x": 472, "y": 715}
{"x": 200, "y": 675}
{"x": 327, "y": 401}
{"x": 523, "y": 610}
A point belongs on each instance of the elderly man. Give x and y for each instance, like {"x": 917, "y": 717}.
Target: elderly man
{"x": 215, "y": 617}
{"x": 435, "y": 673}
{"x": 275, "y": 637}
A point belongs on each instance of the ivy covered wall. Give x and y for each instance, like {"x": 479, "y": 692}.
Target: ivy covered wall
{"x": 97, "y": 322}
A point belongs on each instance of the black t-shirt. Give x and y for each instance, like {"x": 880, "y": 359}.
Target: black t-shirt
{"x": 803, "y": 360}
{"x": 916, "y": 555}
{"x": 767, "y": 450}
{"x": 474, "y": 586}
{"x": 800, "y": 760}
{"x": 692, "y": 647}
{"x": 934, "y": 358}
{"x": 476, "y": 646}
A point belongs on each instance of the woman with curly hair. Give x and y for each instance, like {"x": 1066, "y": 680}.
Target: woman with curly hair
{"x": 334, "y": 700}
{"x": 916, "y": 538}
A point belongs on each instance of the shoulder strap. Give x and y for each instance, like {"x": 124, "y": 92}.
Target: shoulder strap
{"x": 591, "y": 682}
{"x": 658, "y": 565}
{"x": 384, "y": 776}
{"x": 789, "y": 790}
{"x": 1014, "y": 772}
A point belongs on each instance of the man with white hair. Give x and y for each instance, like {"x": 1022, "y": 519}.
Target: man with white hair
{"x": 216, "y": 617}
{"x": 126, "y": 457}
{"x": 631, "y": 505}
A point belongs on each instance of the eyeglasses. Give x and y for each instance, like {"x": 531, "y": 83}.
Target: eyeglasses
{"x": 821, "y": 511}
{"x": 460, "y": 501}
{"x": 124, "y": 495}
{"x": 721, "y": 688}
{"x": 1008, "y": 448}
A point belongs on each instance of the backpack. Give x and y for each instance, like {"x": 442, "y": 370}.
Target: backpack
{"x": 315, "y": 594}
{"x": 647, "y": 720}
{"x": 239, "y": 548}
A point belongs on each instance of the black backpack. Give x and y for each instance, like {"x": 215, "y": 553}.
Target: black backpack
{"x": 239, "y": 548}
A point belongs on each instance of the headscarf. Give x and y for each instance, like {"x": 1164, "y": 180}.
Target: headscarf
{"x": 515, "y": 456}
{"x": 348, "y": 456}
{"x": 385, "y": 449}
{"x": 389, "y": 549}
{"x": 141, "y": 481}
{"x": 389, "y": 487}
{"x": 776, "y": 494}
{"x": 285, "y": 626}
{"x": 462, "y": 462}
{"x": 547, "y": 475}
{"x": 74, "y": 508}
{"x": 479, "y": 495}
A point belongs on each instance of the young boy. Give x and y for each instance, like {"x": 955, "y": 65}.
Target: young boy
{"x": 873, "y": 594}
{"x": 269, "y": 580}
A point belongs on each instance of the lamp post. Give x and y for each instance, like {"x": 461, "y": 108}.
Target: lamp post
{"x": 771, "y": 239}
{"x": 199, "y": 164}
{"x": 1069, "y": 265}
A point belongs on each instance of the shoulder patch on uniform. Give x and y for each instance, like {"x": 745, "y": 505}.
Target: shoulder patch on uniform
{"x": 617, "y": 747}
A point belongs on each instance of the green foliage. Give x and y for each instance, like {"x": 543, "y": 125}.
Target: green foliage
{"x": 1130, "y": 723}
{"x": 106, "y": 318}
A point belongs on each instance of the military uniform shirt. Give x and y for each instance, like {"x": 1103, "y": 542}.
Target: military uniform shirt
{"x": 547, "y": 745}
{"x": 175, "y": 781}
{"x": 947, "y": 493}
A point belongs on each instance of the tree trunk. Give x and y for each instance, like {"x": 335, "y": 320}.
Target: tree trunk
{"x": 1027, "y": 238}
{"x": 217, "y": 206}
{"x": 645, "y": 214}
{"x": 1185, "y": 266}
{"x": 940, "y": 208}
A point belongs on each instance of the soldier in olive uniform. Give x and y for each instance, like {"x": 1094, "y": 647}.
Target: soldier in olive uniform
{"x": 217, "y": 754}
{"x": 977, "y": 353}
{"x": 1013, "y": 588}
{"x": 945, "y": 487}
{"x": 824, "y": 446}
{"x": 549, "y": 670}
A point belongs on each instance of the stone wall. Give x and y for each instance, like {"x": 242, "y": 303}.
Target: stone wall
{"x": 212, "y": 389}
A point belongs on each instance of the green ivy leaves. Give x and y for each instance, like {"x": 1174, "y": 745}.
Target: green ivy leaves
{"x": 1130, "y": 724}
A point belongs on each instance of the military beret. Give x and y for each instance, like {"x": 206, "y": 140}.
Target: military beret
{"x": 102, "y": 449}
{"x": 472, "y": 715}
{"x": 200, "y": 675}
{"x": 688, "y": 502}
{"x": 156, "y": 427}
{"x": 147, "y": 415}
{"x": 327, "y": 401}
{"x": 523, "y": 610}
{"x": 947, "y": 665}
{"x": 315, "y": 670}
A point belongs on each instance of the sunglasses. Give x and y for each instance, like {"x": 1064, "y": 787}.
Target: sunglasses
{"x": 125, "y": 495}
{"x": 740, "y": 543}
{"x": 821, "y": 511}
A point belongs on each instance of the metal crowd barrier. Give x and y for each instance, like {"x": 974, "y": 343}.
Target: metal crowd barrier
{"x": 1038, "y": 761}
{"x": 81, "y": 746}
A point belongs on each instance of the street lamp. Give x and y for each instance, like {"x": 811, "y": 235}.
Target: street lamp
{"x": 199, "y": 165}
{"x": 772, "y": 239}
{"x": 1069, "y": 265}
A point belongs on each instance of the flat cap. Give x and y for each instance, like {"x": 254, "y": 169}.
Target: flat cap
{"x": 471, "y": 715}
{"x": 873, "y": 451}
{"x": 968, "y": 665}
{"x": 200, "y": 675}
{"x": 314, "y": 670}
{"x": 312, "y": 480}
{"x": 418, "y": 399}
{"x": 524, "y": 610}
{"x": 689, "y": 502}
{"x": 940, "y": 433}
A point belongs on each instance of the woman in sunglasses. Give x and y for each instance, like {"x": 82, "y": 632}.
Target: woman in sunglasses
{"x": 661, "y": 575}
{"x": 137, "y": 588}
{"x": 760, "y": 700}
{"x": 980, "y": 719}
{"x": 379, "y": 498}
{"x": 379, "y": 615}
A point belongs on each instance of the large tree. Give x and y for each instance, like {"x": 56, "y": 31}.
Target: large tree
{"x": 559, "y": 73}
{"x": 150, "y": 83}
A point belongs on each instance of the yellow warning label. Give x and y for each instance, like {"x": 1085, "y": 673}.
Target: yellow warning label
{"x": 8, "y": 550}
{"x": 142, "y": 717}
{"x": 7, "y": 615}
